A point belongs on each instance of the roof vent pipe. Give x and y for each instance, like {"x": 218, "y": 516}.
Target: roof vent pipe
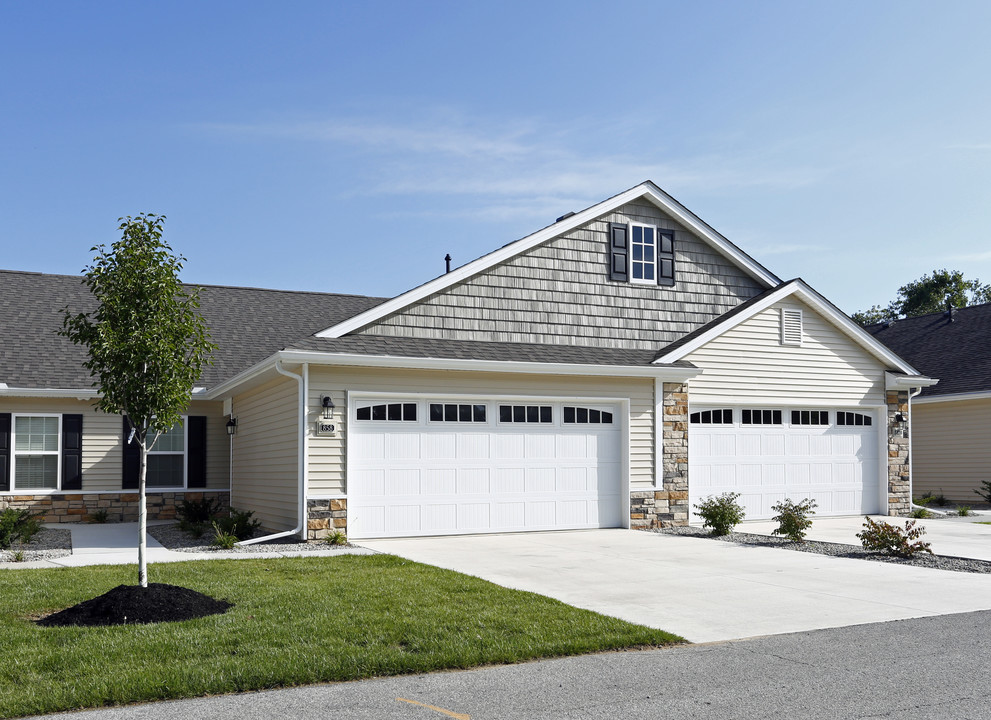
{"x": 949, "y": 310}
{"x": 447, "y": 260}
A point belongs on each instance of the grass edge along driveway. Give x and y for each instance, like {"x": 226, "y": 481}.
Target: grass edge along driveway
{"x": 295, "y": 621}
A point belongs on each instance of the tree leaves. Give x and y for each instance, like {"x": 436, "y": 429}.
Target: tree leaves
{"x": 929, "y": 294}
{"x": 146, "y": 341}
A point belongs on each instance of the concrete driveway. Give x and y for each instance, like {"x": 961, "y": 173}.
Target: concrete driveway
{"x": 701, "y": 589}
{"x": 956, "y": 536}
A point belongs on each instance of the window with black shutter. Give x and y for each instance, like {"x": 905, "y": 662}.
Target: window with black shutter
{"x": 641, "y": 254}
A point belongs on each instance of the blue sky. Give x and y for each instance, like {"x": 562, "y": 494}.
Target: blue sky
{"x": 346, "y": 147}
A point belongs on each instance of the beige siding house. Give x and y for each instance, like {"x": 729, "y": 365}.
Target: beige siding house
{"x": 607, "y": 371}
{"x": 951, "y": 421}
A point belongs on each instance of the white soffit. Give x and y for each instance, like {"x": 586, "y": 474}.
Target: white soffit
{"x": 801, "y": 290}
{"x": 646, "y": 190}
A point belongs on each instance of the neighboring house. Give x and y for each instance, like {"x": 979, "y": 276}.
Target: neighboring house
{"x": 608, "y": 370}
{"x": 951, "y": 421}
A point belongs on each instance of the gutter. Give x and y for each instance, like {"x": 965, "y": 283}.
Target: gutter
{"x": 303, "y": 381}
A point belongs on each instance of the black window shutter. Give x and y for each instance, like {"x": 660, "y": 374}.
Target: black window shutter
{"x": 72, "y": 452}
{"x": 665, "y": 257}
{"x": 5, "y": 451}
{"x": 619, "y": 248}
{"x": 196, "y": 451}
{"x": 132, "y": 460}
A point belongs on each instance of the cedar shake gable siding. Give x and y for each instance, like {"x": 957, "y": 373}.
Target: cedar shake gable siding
{"x": 560, "y": 293}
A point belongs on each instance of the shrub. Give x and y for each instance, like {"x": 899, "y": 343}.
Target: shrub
{"x": 196, "y": 529}
{"x": 239, "y": 524}
{"x": 18, "y": 556}
{"x": 198, "y": 511}
{"x": 337, "y": 538}
{"x": 99, "y": 517}
{"x": 793, "y": 518}
{"x": 941, "y": 499}
{"x": 19, "y": 525}
{"x": 920, "y": 513}
{"x": 963, "y": 510}
{"x": 925, "y": 499}
{"x": 720, "y": 513}
{"x": 985, "y": 491}
{"x": 222, "y": 538}
{"x": 887, "y": 538}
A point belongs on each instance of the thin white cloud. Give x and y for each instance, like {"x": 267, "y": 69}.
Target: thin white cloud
{"x": 518, "y": 169}
{"x": 972, "y": 257}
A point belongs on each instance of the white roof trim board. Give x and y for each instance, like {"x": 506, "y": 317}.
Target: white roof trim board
{"x": 801, "y": 290}
{"x": 953, "y": 397}
{"x": 647, "y": 190}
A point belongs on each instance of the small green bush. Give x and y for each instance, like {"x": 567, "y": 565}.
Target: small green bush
{"x": 963, "y": 510}
{"x": 941, "y": 499}
{"x": 198, "y": 511}
{"x": 920, "y": 513}
{"x": 337, "y": 538}
{"x": 18, "y": 556}
{"x": 239, "y": 524}
{"x": 99, "y": 517}
{"x": 793, "y": 518}
{"x": 17, "y": 525}
{"x": 720, "y": 513}
{"x": 985, "y": 491}
{"x": 195, "y": 529}
{"x": 222, "y": 538}
{"x": 925, "y": 499}
{"x": 887, "y": 538}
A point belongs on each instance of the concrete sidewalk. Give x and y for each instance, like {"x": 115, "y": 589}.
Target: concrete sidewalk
{"x": 116, "y": 544}
{"x": 702, "y": 589}
{"x": 955, "y": 536}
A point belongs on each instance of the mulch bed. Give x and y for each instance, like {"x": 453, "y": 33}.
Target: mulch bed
{"x": 133, "y": 605}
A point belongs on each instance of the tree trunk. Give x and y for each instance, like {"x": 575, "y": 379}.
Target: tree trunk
{"x": 142, "y": 516}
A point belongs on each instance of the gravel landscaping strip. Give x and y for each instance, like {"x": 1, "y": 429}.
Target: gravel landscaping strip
{"x": 47, "y": 544}
{"x": 175, "y": 539}
{"x": 940, "y": 562}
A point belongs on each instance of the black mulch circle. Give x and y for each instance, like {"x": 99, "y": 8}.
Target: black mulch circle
{"x": 133, "y": 604}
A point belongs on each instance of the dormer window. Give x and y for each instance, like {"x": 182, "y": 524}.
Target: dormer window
{"x": 641, "y": 254}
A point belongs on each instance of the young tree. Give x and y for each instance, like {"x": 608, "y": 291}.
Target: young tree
{"x": 929, "y": 294}
{"x": 146, "y": 341}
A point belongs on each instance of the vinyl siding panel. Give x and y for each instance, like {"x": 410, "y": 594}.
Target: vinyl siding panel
{"x": 749, "y": 364}
{"x": 103, "y": 445}
{"x": 951, "y": 448}
{"x": 327, "y": 455}
{"x": 560, "y": 293}
{"x": 265, "y": 454}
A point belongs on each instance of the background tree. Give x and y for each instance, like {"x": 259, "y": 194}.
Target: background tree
{"x": 146, "y": 341}
{"x": 929, "y": 294}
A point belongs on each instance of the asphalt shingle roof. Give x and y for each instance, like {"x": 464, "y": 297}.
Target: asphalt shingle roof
{"x": 247, "y": 324}
{"x": 475, "y": 350}
{"x": 958, "y": 353}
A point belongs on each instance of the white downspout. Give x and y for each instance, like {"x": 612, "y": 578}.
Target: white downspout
{"x": 303, "y": 381}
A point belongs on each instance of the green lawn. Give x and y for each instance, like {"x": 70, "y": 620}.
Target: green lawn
{"x": 295, "y": 621}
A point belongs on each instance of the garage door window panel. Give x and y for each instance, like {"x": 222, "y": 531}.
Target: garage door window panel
{"x": 852, "y": 418}
{"x": 586, "y": 416}
{"x": 712, "y": 417}
{"x": 810, "y": 417}
{"x": 387, "y": 412}
{"x": 751, "y": 416}
{"x": 457, "y": 412}
{"x": 533, "y": 414}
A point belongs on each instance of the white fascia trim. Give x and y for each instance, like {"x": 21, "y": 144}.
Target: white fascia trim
{"x": 645, "y": 190}
{"x": 907, "y": 382}
{"x": 534, "y": 368}
{"x": 6, "y": 391}
{"x": 955, "y": 397}
{"x": 224, "y": 389}
{"x": 816, "y": 301}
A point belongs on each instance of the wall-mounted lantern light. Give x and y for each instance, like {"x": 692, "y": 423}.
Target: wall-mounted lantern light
{"x": 232, "y": 426}
{"x": 900, "y": 418}
{"x": 328, "y": 407}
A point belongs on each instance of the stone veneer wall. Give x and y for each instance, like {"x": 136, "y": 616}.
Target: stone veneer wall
{"x": 899, "y": 500}
{"x": 120, "y": 507}
{"x": 668, "y": 506}
{"x": 325, "y": 517}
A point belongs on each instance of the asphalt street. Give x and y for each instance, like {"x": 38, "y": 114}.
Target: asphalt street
{"x": 926, "y": 668}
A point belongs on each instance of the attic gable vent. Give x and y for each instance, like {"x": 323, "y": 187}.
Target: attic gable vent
{"x": 791, "y": 326}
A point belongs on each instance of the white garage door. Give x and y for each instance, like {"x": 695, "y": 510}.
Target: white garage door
{"x": 767, "y": 455}
{"x": 431, "y": 466}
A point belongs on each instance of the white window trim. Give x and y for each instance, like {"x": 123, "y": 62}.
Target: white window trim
{"x": 653, "y": 264}
{"x": 14, "y": 453}
{"x": 185, "y": 461}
